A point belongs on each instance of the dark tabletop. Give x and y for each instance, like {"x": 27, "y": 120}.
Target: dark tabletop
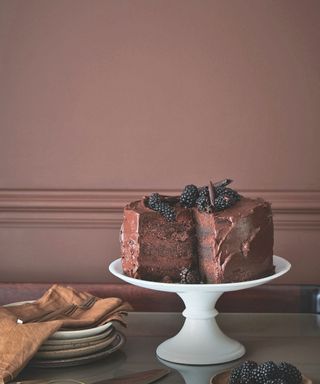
{"x": 279, "y": 337}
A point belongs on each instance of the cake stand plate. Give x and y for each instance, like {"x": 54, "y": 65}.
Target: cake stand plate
{"x": 200, "y": 341}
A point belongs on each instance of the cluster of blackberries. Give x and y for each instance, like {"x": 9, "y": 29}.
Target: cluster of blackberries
{"x": 164, "y": 208}
{"x": 269, "y": 372}
{"x": 223, "y": 197}
{"x": 192, "y": 196}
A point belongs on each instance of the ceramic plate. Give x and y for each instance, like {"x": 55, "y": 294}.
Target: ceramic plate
{"x": 223, "y": 378}
{"x": 51, "y": 344}
{"x": 76, "y": 351}
{"x": 74, "y": 334}
{"x": 117, "y": 343}
{"x": 80, "y": 333}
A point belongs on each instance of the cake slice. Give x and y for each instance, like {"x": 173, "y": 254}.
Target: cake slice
{"x": 155, "y": 249}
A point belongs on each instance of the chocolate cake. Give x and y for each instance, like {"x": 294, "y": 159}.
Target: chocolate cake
{"x": 191, "y": 239}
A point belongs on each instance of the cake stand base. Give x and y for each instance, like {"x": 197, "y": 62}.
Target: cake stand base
{"x": 200, "y": 340}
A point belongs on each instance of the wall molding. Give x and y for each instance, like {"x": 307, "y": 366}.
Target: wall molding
{"x": 293, "y": 210}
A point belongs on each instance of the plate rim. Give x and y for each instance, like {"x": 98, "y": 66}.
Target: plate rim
{"x": 69, "y": 334}
{"x": 80, "y": 333}
{"x": 88, "y": 339}
{"x": 282, "y": 266}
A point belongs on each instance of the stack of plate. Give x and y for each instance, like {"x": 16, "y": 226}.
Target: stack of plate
{"x": 70, "y": 348}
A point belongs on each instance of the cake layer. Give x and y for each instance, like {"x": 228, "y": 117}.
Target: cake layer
{"x": 152, "y": 248}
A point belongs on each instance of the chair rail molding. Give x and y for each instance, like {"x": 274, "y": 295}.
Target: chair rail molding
{"x": 293, "y": 210}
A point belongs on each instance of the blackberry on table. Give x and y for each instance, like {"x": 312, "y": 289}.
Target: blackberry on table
{"x": 242, "y": 373}
{"x": 257, "y": 376}
{"x": 265, "y": 373}
{"x": 246, "y": 380}
{"x": 189, "y": 196}
{"x": 290, "y": 373}
{"x": 269, "y": 369}
{"x": 235, "y": 376}
{"x": 247, "y": 367}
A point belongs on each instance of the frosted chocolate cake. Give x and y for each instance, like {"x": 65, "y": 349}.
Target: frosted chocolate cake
{"x": 206, "y": 235}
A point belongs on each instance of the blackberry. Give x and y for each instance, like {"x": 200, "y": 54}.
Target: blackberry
{"x": 235, "y": 376}
{"x": 257, "y": 376}
{"x": 222, "y": 202}
{"x": 189, "y": 196}
{"x": 242, "y": 373}
{"x": 276, "y": 381}
{"x": 246, "y": 380}
{"x": 203, "y": 204}
{"x": 247, "y": 367}
{"x": 219, "y": 190}
{"x": 189, "y": 276}
{"x": 269, "y": 369}
{"x": 166, "y": 211}
{"x": 290, "y": 373}
{"x": 203, "y": 201}
{"x": 154, "y": 201}
{"x": 203, "y": 191}
{"x": 231, "y": 193}
{"x": 164, "y": 208}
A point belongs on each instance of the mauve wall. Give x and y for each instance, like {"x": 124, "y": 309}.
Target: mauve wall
{"x": 102, "y": 101}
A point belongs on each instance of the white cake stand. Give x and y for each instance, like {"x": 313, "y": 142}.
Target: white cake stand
{"x": 200, "y": 340}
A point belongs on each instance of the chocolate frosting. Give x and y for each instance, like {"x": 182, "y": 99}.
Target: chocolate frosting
{"x": 228, "y": 246}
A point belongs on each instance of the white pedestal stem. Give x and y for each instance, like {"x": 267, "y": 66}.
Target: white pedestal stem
{"x": 200, "y": 340}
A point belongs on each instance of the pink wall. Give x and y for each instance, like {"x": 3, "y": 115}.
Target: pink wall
{"x": 121, "y": 95}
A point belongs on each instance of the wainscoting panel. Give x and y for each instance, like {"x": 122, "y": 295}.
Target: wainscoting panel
{"x": 72, "y": 235}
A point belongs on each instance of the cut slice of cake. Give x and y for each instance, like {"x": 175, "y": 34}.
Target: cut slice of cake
{"x": 235, "y": 244}
{"x": 155, "y": 249}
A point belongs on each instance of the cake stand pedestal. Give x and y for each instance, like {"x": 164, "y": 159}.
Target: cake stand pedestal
{"x": 200, "y": 340}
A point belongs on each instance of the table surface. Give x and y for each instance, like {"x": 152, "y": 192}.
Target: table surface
{"x": 279, "y": 337}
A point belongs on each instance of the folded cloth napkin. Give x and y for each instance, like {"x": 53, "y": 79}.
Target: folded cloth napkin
{"x": 20, "y": 338}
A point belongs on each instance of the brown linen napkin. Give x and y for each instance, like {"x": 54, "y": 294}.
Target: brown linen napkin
{"x": 20, "y": 341}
